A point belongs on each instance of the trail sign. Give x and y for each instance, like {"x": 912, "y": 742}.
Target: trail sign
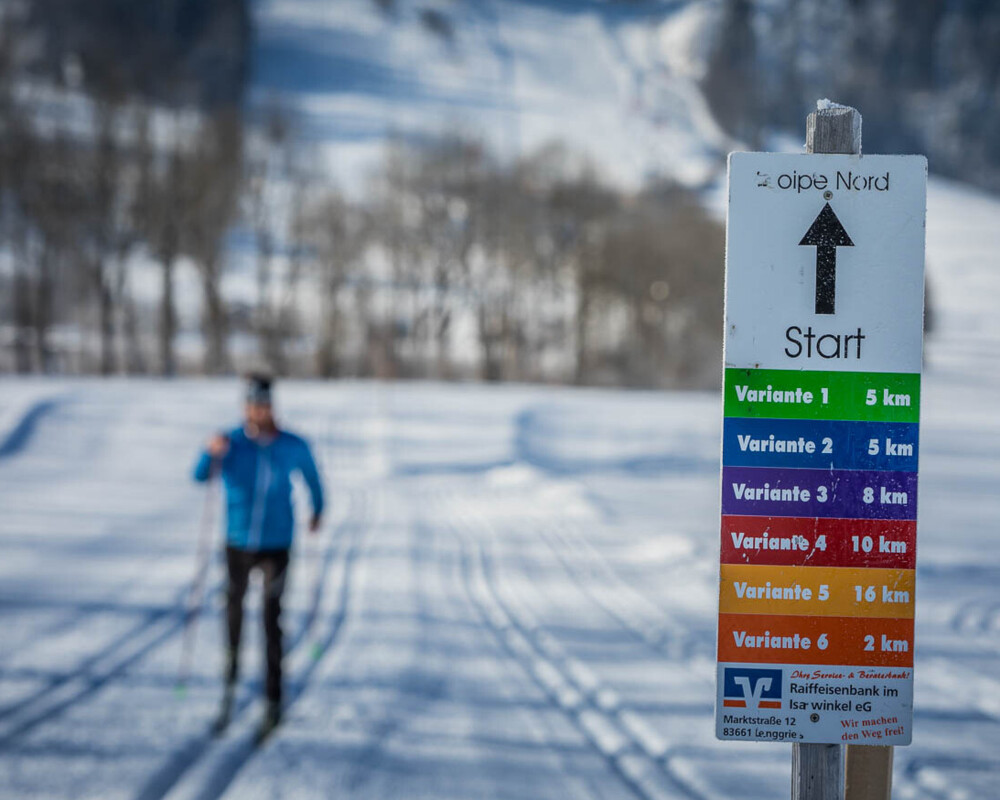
{"x": 823, "y": 351}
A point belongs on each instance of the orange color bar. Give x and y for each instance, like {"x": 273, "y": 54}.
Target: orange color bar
{"x": 860, "y": 641}
{"x": 817, "y": 591}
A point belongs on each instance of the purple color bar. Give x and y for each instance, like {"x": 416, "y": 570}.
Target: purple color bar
{"x": 840, "y": 494}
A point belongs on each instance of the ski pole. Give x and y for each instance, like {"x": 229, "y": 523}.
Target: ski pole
{"x": 318, "y": 553}
{"x": 197, "y": 590}
{"x": 317, "y": 569}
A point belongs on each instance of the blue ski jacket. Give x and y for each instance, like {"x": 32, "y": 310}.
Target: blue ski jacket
{"x": 257, "y": 478}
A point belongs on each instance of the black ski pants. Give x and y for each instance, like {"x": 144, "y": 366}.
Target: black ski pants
{"x": 274, "y": 566}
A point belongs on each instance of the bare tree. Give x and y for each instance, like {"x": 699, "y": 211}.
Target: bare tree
{"x": 270, "y": 211}
{"x": 579, "y": 208}
{"x": 664, "y": 266}
{"x": 286, "y": 317}
{"x": 337, "y": 234}
{"x": 517, "y": 278}
{"x": 447, "y": 188}
{"x": 54, "y": 207}
{"x": 213, "y": 176}
{"x": 162, "y": 214}
{"x": 396, "y": 215}
{"x": 110, "y": 234}
{"x": 731, "y": 82}
{"x": 13, "y": 139}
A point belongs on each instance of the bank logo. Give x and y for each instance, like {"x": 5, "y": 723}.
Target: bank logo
{"x": 743, "y": 687}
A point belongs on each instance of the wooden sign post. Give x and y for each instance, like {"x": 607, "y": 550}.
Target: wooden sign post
{"x": 823, "y": 353}
{"x": 868, "y": 768}
{"x": 818, "y": 769}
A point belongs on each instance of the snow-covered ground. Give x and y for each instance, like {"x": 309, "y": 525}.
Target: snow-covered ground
{"x": 513, "y": 597}
{"x": 615, "y": 81}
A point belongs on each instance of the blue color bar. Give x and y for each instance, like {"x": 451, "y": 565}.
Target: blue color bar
{"x": 820, "y": 444}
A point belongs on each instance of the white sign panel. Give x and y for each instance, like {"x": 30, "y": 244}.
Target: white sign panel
{"x": 877, "y": 203}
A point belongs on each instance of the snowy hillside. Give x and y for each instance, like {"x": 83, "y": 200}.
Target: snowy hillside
{"x": 597, "y": 75}
{"x": 513, "y": 596}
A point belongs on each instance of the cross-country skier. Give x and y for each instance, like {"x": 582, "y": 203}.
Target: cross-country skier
{"x": 256, "y": 462}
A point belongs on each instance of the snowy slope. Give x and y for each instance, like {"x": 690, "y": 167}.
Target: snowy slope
{"x": 963, "y": 241}
{"x": 517, "y": 587}
{"x": 617, "y": 81}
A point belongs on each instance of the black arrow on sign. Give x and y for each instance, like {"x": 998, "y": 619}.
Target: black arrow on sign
{"x": 826, "y": 234}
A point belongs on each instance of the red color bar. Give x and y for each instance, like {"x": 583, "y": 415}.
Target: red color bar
{"x": 743, "y": 703}
{"x": 792, "y": 541}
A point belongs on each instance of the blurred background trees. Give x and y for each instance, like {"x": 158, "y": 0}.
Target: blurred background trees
{"x": 453, "y": 264}
{"x": 925, "y": 73}
{"x": 154, "y": 220}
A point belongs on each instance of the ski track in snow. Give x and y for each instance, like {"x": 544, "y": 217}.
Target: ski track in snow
{"x": 24, "y": 403}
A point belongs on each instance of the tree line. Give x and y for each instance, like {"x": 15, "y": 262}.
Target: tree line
{"x": 449, "y": 263}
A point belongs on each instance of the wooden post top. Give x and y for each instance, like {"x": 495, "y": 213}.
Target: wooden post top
{"x": 833, "y": 128}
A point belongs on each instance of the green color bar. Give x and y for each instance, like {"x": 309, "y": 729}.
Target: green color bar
{"x": 795, "y": 394}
